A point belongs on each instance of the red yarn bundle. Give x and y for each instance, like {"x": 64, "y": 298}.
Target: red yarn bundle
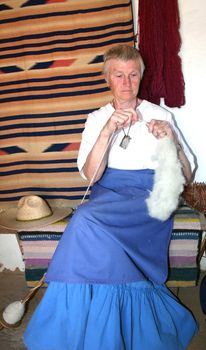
{"x": 159, "y": 44}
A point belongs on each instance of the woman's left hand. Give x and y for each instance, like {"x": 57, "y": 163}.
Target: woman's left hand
{"x": 161, "y": 128}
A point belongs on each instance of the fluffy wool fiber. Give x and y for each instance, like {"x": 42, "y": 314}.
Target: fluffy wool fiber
{"x": 168, "y": 181}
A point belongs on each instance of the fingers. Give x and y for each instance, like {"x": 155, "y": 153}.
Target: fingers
{"x": 119, "y": 119}
{"x": 124, "y": 117}
{"x": 160, "y": 128}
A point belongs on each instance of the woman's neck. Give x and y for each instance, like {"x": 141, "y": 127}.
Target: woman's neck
{"x": 126, "y": 104}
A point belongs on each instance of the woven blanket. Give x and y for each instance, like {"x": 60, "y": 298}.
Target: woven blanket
{"x": 183, "y": 249}
{"x": 38, "y": 248}
{"x": 50, "y": 79}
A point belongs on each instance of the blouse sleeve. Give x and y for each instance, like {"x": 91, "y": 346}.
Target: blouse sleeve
{"x": 184, "y": 145}
{"x": 93, "y": 126}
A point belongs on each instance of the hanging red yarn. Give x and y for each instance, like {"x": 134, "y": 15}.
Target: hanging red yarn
{"x": 159, "y": 44}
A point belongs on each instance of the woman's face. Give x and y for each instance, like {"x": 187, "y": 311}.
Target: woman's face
{"x": 123, "y": 78}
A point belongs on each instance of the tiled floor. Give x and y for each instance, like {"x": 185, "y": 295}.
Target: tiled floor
{"x": 13, "y": 287}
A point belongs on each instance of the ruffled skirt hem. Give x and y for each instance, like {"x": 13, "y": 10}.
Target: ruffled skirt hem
{"x": 131, "y": 316}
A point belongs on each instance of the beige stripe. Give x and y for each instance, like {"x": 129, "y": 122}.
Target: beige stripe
{"x": 76, "y": 53}
{"x": 79, "y": 37}
{"x": 57, "y": 104}
{"x": 70, "y": 138}
{"x": 47, "y": 93}
{"x": 63, "y": 166}
{"x": 43, "y": 156}
{"x": 48, "y": 179}
{"x": 55, "y": 82}
{"x": 69, "y": 203}
{"x": 59, "y": 193}
{"x": 68, "y": 5}
{"x": 57, "y": 71}
{"x": 42, "y": 128}
{"x": 37, "y": 180}
{"x": 60, "y": 7}
{"x": 58, "y": 23}
{"x": 70, "y": 118}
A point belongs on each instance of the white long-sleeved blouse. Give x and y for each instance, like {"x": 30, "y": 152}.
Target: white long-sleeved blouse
{"x": 140, "y": 153}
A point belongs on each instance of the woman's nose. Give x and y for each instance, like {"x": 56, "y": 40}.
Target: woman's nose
{"x": 126, "y": 81}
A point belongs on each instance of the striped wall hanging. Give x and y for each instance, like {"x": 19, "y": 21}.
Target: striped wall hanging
{"x": 51, "y": 55}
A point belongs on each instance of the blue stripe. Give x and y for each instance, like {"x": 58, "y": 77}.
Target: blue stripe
{"x": 56, "y": 86}
{"x": 69, "y": 49}
{"x": 48, "y": 115}
{"x": 48, "y": 79}
{"x": 185, "y": 234}
{"x": 184, "y": 210}
{"x": 16, "y": 198}
{"x": 45, "y": 189}
{"x": 40, "y": 236}
{"x": 37, "y": 125}
{"x": 56, "y": 95}
{"x": 39, "y": 171}
{"x": 53, "y": 161}
{"x": 64, "y": 13}
{"x": 41, "y": 133}
{"x": 66, "y": 32}
{"x": 67, "y": 41}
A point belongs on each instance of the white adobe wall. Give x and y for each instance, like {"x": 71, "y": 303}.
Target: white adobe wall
{"x": 10, "y": 253}
{"x": 191, "y": 118}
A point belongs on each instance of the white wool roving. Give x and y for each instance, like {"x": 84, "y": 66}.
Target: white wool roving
{"x": 168, "y": 181}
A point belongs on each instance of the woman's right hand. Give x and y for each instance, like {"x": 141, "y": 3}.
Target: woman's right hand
{"x": 121, "y": 118}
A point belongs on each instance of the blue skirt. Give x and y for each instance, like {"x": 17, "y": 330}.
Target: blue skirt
{"x": 106, "y": 277}
{"x": 134, "y": 316}
{"x": 111, "y": 238}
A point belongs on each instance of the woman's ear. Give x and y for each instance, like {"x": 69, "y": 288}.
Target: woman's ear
{"x": 107, "y": 80}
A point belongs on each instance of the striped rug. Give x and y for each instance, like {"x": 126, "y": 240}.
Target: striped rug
{"x": 184, "y": 248}
{"x": 51, "y": 54}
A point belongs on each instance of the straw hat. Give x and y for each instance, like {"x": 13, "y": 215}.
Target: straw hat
{"x": 31, "y": 212}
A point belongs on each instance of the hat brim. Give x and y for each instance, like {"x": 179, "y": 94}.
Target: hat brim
{"x": 8, "y": 219}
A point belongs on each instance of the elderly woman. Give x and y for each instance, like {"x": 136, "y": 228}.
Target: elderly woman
{"x": 106, "y": 280}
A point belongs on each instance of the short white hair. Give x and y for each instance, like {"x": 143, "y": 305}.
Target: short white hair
{"x": 124, "y": 53}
